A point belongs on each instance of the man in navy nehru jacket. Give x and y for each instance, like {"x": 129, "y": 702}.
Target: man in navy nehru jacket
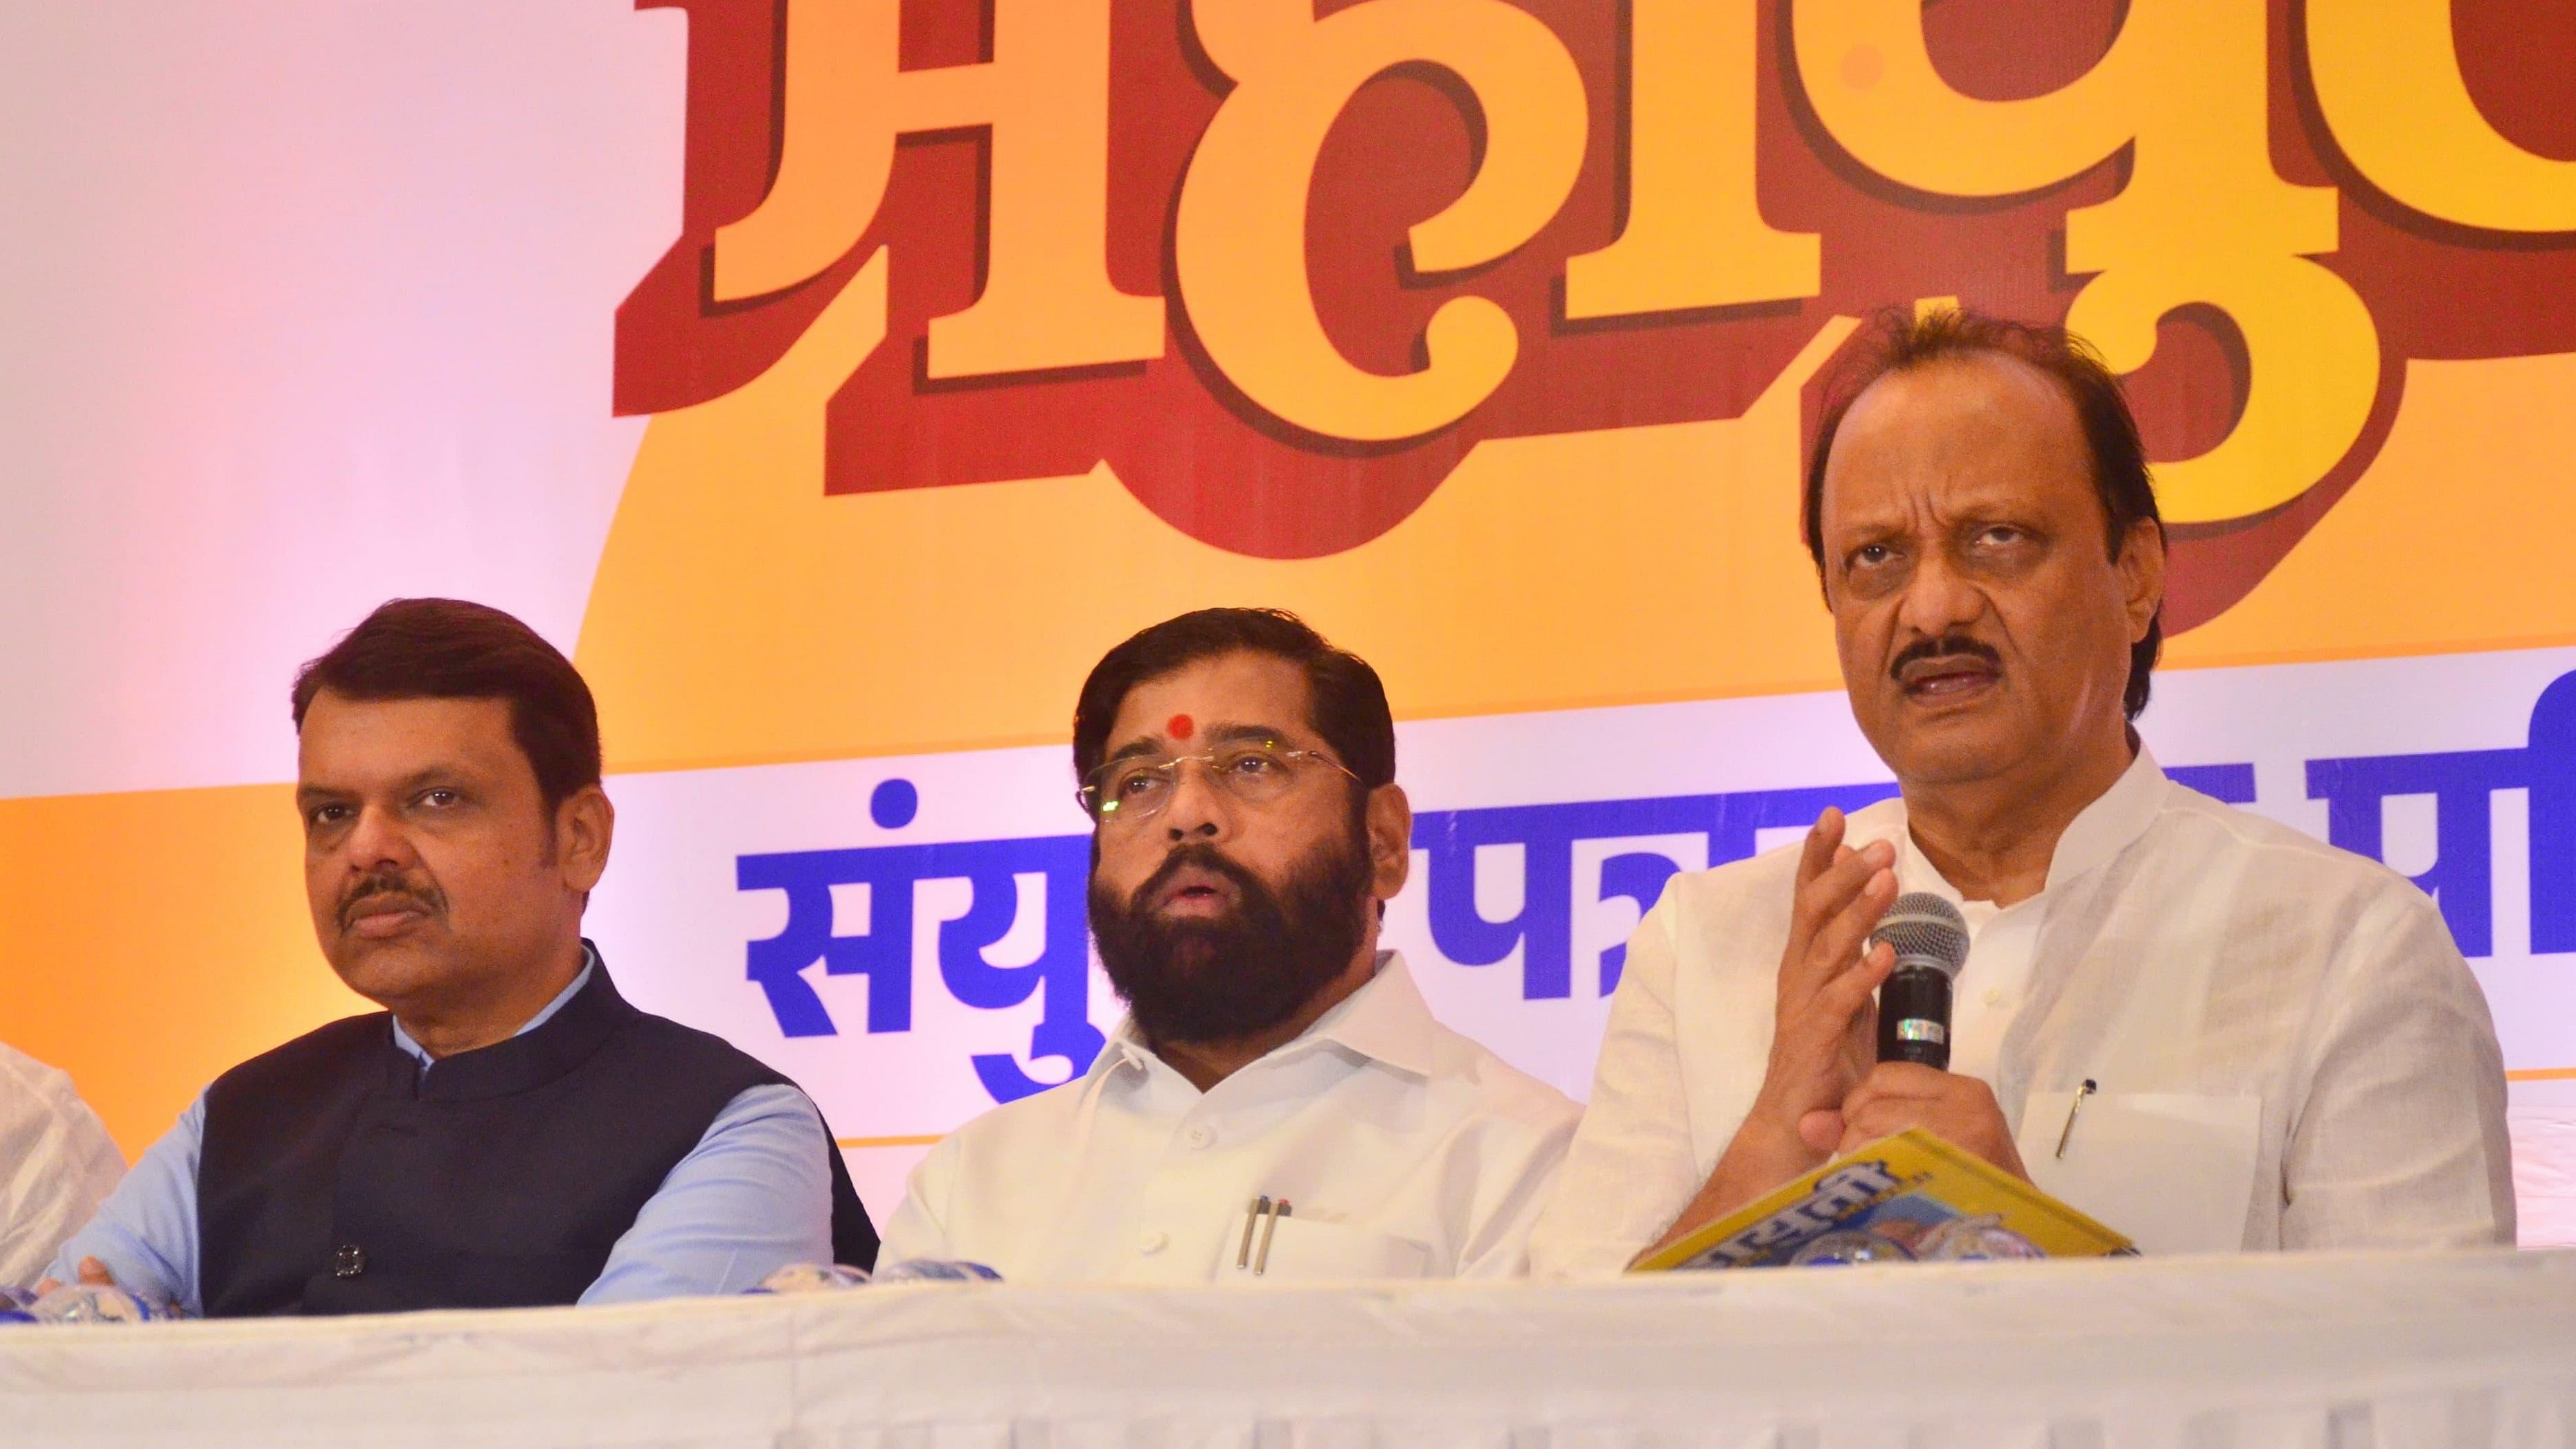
{"x": 508, "y": 1131}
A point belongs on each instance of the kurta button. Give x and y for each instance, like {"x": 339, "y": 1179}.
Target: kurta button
{"x": 1153, "y": 1242}
{"x": 349, "y": 1262}
{"x": 1994, "y": 997}
{"x": 1201, "y": 1135}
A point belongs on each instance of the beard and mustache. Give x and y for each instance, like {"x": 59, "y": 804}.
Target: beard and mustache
{"x": 1242, "y": 973}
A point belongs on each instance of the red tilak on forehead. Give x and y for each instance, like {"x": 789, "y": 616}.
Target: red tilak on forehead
{"x": 1180, "y": 727}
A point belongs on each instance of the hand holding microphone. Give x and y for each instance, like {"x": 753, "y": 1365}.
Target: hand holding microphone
{"x": 1824, "y": 1091}
{"x": 1911, "y": 1086}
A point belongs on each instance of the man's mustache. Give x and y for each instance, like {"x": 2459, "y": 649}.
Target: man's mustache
{"x": 1948, "y": 646}
{"x": 1195, "y": 853}
{"x": 390, "y": 888}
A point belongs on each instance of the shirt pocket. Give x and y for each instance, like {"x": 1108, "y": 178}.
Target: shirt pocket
{"x": 1302, "y": 1250}
{"x": 2171, "y": 1171}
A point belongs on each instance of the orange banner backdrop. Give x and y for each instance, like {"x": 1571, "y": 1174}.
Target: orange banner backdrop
{"x": 1485, "y": 334}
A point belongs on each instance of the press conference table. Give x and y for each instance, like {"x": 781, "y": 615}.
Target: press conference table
{"x": 2308, "y": 1351}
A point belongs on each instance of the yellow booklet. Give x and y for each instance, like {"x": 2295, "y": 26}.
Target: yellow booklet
{"x": 1902, "y": 1198}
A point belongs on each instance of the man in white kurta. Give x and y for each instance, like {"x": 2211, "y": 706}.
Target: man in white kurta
{"x": 2274, "y": 1043}
{"x": 1279, "y": 1105}
{"x": 2288, "y": 1050}
{"x": 1403, "y": 1150}
{"x": 57, "y": 1164}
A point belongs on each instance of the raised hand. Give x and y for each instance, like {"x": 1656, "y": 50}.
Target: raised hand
{"x": 1824, "y": 1016}
{"x": 1824, "y": 1027}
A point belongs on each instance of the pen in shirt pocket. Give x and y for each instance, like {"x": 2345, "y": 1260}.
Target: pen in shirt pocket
{"x": 1263, "y": 1216}
{"x": 2072, "y": 1108}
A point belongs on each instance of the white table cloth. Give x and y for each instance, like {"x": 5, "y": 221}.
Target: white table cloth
{"x": 2301, "y": 1352}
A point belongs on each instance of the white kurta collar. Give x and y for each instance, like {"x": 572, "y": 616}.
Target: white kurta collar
{"x": 1386, "y": 1020}
{"x": 2115, "y": 819}
{"x": 2098, "y": 833}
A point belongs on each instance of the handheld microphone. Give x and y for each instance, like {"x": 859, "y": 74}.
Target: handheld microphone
{"x": 1931, "y": 941}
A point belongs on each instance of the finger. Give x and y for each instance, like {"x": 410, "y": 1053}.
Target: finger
{"x": 1823, "y": 851}
{"x": 95, "y": 1274}
{"x": 1860, "y": 1038}
{"x": 47, "y": 1285}
{"x": 1860, "y": 1132}
{"x": 1820, "y": 1032}
{"x": 1824, "y": 839}
{"x": 1908, "y": 1082}
{"x": 1850, "y": 868}
{"x": 1835, "y": 911}
{"x": 1841, "y": 1000}
{"x": 1868, "y": 1122}
{"x": 1870, "y": 1116}
{"x": 1839, "y": 940}
{"x": 1821, "y": 1131}
{"x": 1898, "y": 1095}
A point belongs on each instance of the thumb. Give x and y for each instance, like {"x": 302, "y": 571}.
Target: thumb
{"x": 47, "y": 1285}
{"x": 94, "y": 1273}
{"x": 1821, "y": 1131}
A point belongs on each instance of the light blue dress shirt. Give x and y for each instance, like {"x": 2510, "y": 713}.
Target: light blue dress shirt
{"x": 753, "y": 1196}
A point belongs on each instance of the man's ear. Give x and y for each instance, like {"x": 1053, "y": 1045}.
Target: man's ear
{"x": 2142, "y": 575}
{"x": 584, "y": 824}
{"x": 1390, "y": 840}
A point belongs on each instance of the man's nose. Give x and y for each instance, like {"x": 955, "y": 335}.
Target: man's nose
{"x": 1199, "y": 809}
{"x": 377, "y": 839}
{"x": 1938, "y": 599}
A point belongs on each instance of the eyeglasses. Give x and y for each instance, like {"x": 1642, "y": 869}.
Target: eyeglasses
{"x": 1256, "y": 772}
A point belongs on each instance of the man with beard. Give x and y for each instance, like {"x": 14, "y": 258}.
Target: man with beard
{"x": 509, "y": 1131}
{"x": 1279, "y": 1103}
{"x": 2202, "y": 1027}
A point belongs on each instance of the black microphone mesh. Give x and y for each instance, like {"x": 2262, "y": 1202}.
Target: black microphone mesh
{"x": 1926, "y": 930}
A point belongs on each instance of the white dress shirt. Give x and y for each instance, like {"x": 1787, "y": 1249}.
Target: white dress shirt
{"x": 1403, "y": 1149}
{"x": 57, "y": 1164}
{"x": 2288, "y": 1049}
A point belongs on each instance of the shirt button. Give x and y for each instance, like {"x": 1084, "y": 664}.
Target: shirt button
{"x": 349, "y": 1262}
{"x": 1153, "y": 1242}
{"x": 1994, "y": 997}
{"x": 1200, "y": 1135}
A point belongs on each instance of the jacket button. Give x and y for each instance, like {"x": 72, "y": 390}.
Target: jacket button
{"x": 349, "y": 1262}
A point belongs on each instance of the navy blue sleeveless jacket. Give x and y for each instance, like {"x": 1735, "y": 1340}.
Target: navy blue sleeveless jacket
{"x": 337, "y": 1177}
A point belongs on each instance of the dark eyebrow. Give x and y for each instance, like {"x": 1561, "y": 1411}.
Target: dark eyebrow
{"x": 446, "y": 775}
{"x": 1139, "y": 748}
{"x": 1146, "y": 746}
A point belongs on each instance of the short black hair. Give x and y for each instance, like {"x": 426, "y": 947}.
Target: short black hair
{"x": 451, "y": 649}
{"x": 1900, "y": 340}
{"x": 1345, "y": 697}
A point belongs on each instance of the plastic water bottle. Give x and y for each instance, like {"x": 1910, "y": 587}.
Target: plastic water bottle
{"x": 936, "y": 1270}
{"x": 1980, "y": 1239}
{"x": 14, "y": 1303}
{"x": 813, "y": 1278}
{"x": 1846, "y": 1247}
{"x": 95, "y": 1303}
